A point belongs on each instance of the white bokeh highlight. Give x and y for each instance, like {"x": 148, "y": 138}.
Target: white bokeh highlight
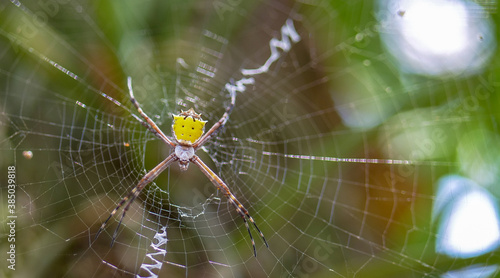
{"x": 437, "y": 37}
{"x": 435, "y": 27}
{"x": 468, "y": 220}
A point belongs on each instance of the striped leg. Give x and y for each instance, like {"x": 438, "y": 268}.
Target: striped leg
{"x": 149, "y": 177}
{"x": 149, "y": 124}
{"x": 217, "y": 125}
{"x": 225, "y": 189}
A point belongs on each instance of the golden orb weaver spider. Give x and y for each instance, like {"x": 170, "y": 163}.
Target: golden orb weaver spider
{"x": 188, "y": 131}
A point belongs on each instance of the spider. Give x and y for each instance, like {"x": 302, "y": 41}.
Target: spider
{"x": 188, "y": 136}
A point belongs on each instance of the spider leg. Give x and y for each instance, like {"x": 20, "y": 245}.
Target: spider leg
{"x": 219, "y": 183}
{"x": 132, "y": 195}
{"x": 149, "y": 124}
{"x": 218, "y": 124}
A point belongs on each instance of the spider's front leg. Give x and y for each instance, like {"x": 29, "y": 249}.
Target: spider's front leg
{"x": 219, "y": 124}
{"x": 149, "y": 124}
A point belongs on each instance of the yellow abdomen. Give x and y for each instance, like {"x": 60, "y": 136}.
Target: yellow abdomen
{"x": 187, "y": 127}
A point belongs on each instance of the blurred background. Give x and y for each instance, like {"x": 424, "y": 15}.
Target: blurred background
{"x": 364, "y": 140}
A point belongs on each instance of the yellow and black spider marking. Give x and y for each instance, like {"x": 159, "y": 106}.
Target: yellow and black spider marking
{"x": 188, "y": 126}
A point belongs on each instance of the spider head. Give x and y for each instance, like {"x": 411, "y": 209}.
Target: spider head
{"x": 188, "y": 127}
{"x": 183, "y": 165}
{"x": 184, "y": 154}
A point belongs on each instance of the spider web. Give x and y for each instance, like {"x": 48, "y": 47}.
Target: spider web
{"x": 338, "y": 152}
